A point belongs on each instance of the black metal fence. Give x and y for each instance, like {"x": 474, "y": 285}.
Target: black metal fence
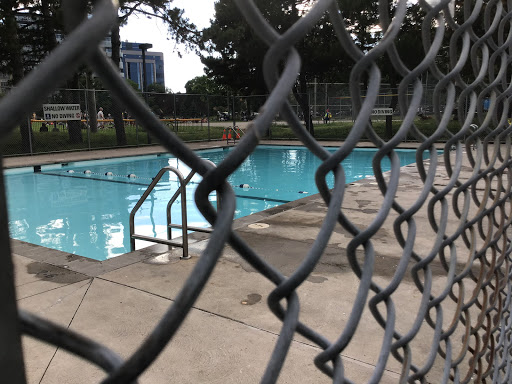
{"x": 468, "y": 316}
{"x": 190, "y": 117}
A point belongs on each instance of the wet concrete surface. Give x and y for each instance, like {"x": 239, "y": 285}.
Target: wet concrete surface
{"x": 229, "y": 334}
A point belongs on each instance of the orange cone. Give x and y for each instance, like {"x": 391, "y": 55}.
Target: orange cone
{"x": 229, "y": 135}
{"x": 224, "y": 135}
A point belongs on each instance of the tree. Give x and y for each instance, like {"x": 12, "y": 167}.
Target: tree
{"x": 235, "y": 54}
{"x": 156, "y": 88}
{"x": 210, "y": 96}
{"x": 26, "y": 36}
{"x": 33, "y": 24}
{"x": 411, "y": 53}
{"x": 91, "y": 101}
{"x": 204, "y": 85}
{"x": 117, "y": 110}
{"x": 159, "y": 101}
{"x": 10, "y": 56}
{"x": 180, "y": 29}
{"x": 133, "y": 84}
{"x": 24, "y": 44}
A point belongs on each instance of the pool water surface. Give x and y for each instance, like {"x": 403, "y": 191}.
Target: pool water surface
{"x": 83, "y": 208}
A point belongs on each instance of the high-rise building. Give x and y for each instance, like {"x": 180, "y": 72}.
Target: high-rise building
{"x": 131, "y": 54}
{"x": 131, "y": 57}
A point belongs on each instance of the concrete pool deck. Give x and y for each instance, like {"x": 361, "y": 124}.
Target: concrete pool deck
{"x": 230, "y": 333}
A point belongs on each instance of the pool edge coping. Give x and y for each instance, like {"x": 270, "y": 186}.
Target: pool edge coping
{"x": 93, "y": 268}
{"x": 103, "y": 154}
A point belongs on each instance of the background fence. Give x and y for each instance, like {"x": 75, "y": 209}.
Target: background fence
{"x": 191, "y": 117}
{"x": 466, "y": 310}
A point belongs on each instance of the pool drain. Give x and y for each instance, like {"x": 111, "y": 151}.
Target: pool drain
{"x": 258, "y": 226}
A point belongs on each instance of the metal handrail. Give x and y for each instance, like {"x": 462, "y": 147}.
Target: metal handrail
{"x": 237, "y": 131}
{"x": 182, "y": 191}
{"x": 184, "y": 220}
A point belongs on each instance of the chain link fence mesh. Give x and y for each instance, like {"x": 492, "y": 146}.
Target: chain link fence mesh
{"x": 464, "y": 315}
{"x": 191, "y": 117}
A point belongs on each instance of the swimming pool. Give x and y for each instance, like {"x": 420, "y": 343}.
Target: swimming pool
{"x": 77, "y": 208}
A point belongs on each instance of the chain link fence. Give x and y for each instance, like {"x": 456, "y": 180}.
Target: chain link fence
{"x": 191, "y": 117}
{"x": 466, "y": 311}
{"x": 336, "y": 98}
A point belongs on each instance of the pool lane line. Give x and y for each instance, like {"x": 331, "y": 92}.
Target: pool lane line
{"x": 92, "y": 178}
{"x": 133, "y": 176}
{"x": 145, "y": 185}
{"x": 263, "y": 198}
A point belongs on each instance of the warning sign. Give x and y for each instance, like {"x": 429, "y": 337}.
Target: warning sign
{"x": 382, "y": 111}
{"x": 61, "y": 112}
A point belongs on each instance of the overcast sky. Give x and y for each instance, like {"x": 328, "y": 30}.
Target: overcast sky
{"x": 177, "y": 71}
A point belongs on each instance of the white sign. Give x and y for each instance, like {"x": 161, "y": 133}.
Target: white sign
{"x": 382, "y": 111}
{"x": 61, "y": 112}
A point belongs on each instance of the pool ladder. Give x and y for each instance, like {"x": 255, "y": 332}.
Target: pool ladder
{"x": 183, "y": 226}
{"x": 233, "y": 133}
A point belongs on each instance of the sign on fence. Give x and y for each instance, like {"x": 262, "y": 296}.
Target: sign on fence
{"x": 61, "y": 112}
{"x": 382, "y": 111}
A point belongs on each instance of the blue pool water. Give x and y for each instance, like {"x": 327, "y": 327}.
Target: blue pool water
{"x": 63, "y": 208}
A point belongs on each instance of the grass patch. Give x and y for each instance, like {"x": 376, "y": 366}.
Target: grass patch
{"x": 55, "y": 141}
{"x": 340, "y": 130}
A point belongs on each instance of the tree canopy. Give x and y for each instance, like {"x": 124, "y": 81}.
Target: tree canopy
{"x": 204, "y": 85}
{"x": 29, "y": 30}
{"x": 235, "y": 53}
{"x": 27, "y": 34}
{"x": 180, "y": 29}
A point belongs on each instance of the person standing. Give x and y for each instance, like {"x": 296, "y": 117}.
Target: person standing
{"x": 327, "y": 116}
{"x": 100, "y": 118}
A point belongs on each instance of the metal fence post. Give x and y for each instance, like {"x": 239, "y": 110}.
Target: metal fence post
{"x": 30, "y": 136}
{"x": 208, "y": 115}
{"x": 326, "y": 99}
{"x": 146, "y": 100}
{"x": 233, "y": 111}
{"x": 137, "y": 134}
{"x": 175, "y": 115}
{"x": 88, "y": 118}
{"x": 11, "y": 356}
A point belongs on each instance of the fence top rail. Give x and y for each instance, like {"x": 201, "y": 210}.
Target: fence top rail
{"x": 197, "y": 120}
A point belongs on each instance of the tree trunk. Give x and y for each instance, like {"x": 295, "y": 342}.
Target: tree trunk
{"x": 75, "y": 132}
{"x": 91, "y": 105}
{"x": 392, "y": 105}
{"x": 16, "y": 63}
{"x": 117, "y": 111}
{"x": 301, "y": 96}
{"x": 72, "y": 97}
{"x": 50, "y": 41}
